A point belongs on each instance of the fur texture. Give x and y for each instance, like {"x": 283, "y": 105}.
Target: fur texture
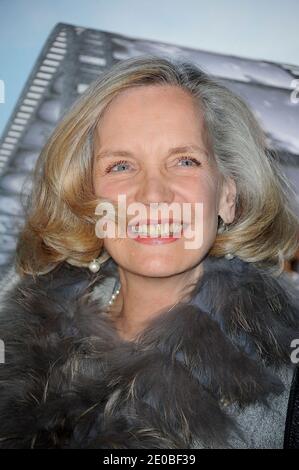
{"x": 69, "y": 380}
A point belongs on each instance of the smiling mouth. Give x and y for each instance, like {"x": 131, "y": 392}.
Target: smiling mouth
{"x": 159, "y": 230}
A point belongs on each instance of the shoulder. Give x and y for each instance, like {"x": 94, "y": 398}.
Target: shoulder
{"x": 263, "y": 425}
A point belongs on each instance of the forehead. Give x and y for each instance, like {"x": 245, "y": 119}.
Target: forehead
{"x": 150, "y": 107}
{"x": 151, "y": 119}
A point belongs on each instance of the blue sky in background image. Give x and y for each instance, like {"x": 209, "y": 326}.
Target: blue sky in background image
{"x": 257, "y": 29}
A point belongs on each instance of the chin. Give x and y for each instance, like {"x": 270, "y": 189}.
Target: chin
{"x": 151, "y": 265}
{"x": 163, "y": 271}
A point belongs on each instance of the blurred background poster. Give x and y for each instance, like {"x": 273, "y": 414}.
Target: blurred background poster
{"x": 50, "y": 51}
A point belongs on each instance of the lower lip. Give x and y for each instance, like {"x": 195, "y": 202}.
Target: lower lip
{"x": 155, "y": 241}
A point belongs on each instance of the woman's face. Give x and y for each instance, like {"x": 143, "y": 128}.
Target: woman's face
{"x": 147, "y": 122}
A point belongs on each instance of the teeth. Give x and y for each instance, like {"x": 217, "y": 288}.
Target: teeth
{"x": 154, "y": 230}
{"x": 176, "y": 227}
{"x": 157, "y": 229}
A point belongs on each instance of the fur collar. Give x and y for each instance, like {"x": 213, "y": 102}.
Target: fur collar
{"x": 69, "y": 380}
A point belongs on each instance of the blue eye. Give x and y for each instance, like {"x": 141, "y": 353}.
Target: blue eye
{"x": 114, "y": 165}
{"x": 123, "y": 163}
{"x": 190, "y": 159}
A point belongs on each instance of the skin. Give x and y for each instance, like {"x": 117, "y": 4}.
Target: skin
{"x": 147, "y": 121}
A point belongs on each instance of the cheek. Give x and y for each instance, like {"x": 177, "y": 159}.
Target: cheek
{"x": 104, "y": 188}
{"x": 110, "y": 188}
{"x": 204, "y": 192}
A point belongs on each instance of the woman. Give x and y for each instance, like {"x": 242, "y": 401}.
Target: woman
{"x": 143, "y": 341}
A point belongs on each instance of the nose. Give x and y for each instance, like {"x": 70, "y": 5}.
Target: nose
{"x": 154, "y": 188}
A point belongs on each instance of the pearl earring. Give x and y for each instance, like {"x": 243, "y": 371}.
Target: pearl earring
{"x": 95, "y": 265}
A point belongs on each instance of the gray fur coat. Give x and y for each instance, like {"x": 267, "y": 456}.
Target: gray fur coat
{"x": 213, "y": 372}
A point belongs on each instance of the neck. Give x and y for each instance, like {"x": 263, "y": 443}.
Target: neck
{"x": 141, "y": 298}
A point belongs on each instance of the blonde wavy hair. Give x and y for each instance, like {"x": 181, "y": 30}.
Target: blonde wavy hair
{"x": 60, "y": 211}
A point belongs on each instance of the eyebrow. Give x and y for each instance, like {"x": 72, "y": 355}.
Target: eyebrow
{"x": 172, "y": 151}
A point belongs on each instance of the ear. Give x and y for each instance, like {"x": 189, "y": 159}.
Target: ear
{"x": 227, "y": 201}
